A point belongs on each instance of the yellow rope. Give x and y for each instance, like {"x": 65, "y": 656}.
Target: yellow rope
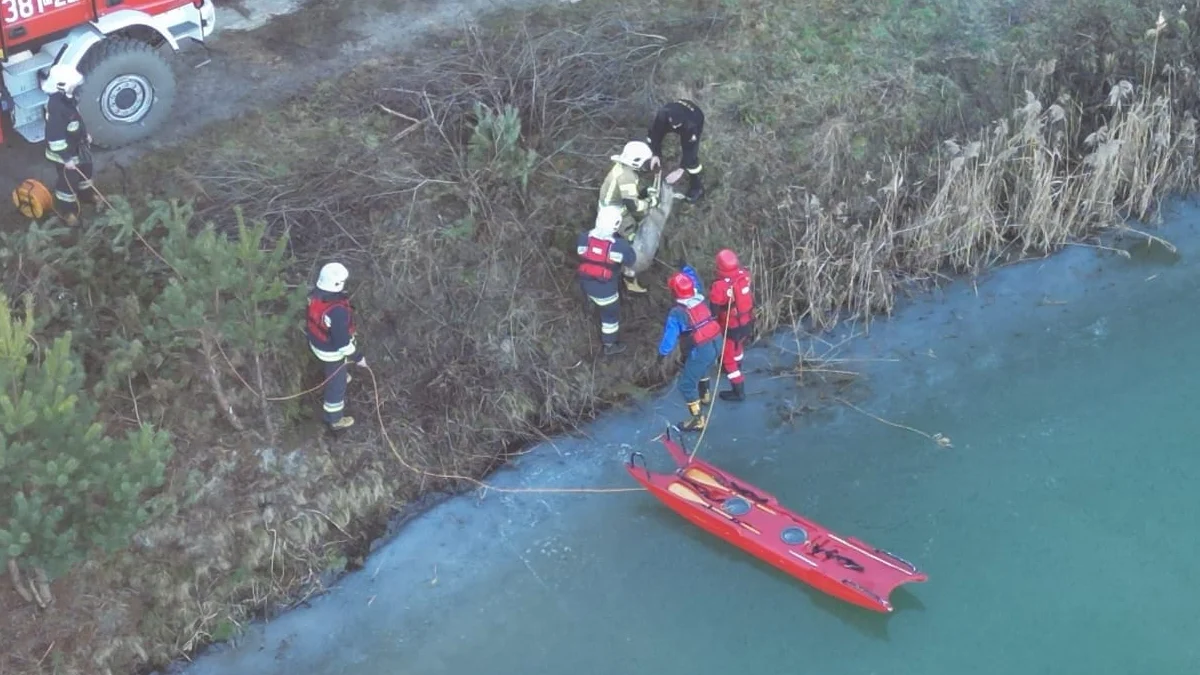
{"x": 379, "y": 409}
{"x": 110, "y": 206}
{"x": 715, "y": 393}
{"x": 236, "y": 374}
{"x": 486, "y": 486}
{"x": 259, "y": 394}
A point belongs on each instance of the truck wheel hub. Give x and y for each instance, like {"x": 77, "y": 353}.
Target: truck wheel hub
{"x": 127, "y": 99}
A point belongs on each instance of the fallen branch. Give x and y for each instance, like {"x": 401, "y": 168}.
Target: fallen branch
{"x": 14, "y": 574}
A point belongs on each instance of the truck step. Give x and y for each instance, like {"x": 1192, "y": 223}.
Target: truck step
{"x": 29, "y": 115}
{"x": 21, "y": 81}
{"x": 23, "y": 116}
{"x": 38, "y": 61}
{"x": 32, "y": 99}
{"x": 187, "y": 29}
{"x": 33, "y": 131}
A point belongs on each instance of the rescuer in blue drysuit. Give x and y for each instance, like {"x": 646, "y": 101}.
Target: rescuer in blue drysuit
{"x": 690, "y": 323}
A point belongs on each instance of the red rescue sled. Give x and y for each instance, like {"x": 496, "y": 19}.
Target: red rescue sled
{"x": 755, "y": 522}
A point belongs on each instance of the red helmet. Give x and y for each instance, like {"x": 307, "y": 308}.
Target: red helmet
{"x": 681, "y": 286}
{"x": 727, "y": 262}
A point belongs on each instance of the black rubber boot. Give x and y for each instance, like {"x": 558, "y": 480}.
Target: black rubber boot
{"x": 738, "y": 393}
{"x": 613, "y": 349}
{"x": 695, "y": 188}
{"x": 705, "y": 392}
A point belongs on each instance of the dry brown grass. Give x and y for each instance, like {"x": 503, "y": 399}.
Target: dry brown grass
{"x": 1024, "y": 187}
{"x": 462, "y": 269}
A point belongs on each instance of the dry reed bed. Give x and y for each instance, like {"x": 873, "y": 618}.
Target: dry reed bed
{"x": 469, "y": 310}
{"x": 1024, "y": 187}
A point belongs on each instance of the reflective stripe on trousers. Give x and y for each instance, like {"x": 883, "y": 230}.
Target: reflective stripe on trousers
{"x": 731, "y": 357}
{"x": 332, "y": 357}
{"x": 334, "y": 396}
{"x": 71, "y": 185}
{"x": 610, "y": 317}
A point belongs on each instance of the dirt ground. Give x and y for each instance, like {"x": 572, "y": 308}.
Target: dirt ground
{"x": 239, "y": 70}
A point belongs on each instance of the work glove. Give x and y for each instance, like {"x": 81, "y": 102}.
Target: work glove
{"x": 362, "y": 363}
{"x": 655, "y": 162}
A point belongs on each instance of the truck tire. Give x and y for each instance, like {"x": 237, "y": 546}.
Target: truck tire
{"x": 127, "y": 92}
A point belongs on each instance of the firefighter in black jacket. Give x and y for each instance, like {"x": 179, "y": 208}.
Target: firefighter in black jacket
{"x": 682, "y": 117}
{"x": 330, "y": 329}
{"x": 68, "y": 142}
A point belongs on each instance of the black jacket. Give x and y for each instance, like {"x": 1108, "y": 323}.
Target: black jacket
{"x": 682, "y": 112}
{"x": 66, "y": 135}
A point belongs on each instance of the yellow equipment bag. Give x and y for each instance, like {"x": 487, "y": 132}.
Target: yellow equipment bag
{"x": 33, "y": 199}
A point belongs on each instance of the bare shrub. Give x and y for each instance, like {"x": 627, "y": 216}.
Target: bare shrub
{"x": 1021, "y": 187}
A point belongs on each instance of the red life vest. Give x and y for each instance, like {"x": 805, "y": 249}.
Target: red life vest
{"x": 318, "y": 308}
{"x": 595, "y": 263}
{"x": 701, "y": 325}
{"x": 736, "y": 311}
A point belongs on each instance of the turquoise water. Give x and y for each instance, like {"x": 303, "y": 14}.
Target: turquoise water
{"x": 1061, "y": 531}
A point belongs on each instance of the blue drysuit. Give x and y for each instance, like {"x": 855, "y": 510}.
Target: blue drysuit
{"x": 700, "y": 358}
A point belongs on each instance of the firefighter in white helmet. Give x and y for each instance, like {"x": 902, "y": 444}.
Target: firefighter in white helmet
{"x": 602, "y": 253}
{"x": 622, "y": 189}
{"x": 330, "y": 329}
{"x": 68, "y": 143}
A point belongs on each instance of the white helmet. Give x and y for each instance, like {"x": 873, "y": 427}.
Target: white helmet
{"x": 608, "y": 219}
{"x": 62, "y": 77}
{"x": 634, "y": 155}
{"x": 333, "y": 277}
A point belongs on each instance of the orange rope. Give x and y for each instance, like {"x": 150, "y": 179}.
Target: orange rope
{"x": 109, "y": 205}
{"x": 258, "y": 394}
{"x": 476, "y": 481}
{"x": 715, "y": 393}
{"x": 378, "y": 406}
{"x": 177, "y": 273}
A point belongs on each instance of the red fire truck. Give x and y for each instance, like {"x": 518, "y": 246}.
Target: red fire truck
{"x": 129, "y": 86}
